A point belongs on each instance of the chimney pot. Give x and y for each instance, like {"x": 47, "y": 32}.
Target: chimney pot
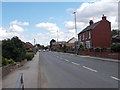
{"x": 91, "y": 22}
{"x": 103, "y": 17}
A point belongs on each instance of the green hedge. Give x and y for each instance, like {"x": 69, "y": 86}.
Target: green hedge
{"x": 29, "y": 55}
{"x": 6, "y": 61}
{"x": 115, "y": 47}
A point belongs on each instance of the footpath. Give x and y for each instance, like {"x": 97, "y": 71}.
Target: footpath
{"x": 96, "y": 58}
{"x": 30, "y": 75}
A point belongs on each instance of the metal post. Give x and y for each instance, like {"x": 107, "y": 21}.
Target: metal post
{"x": 76, "y": 32}
{"x": 34, "y": 47}
{"x": 57, "y": 35}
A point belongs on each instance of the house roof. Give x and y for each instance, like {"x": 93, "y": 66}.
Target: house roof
{"x": 71, "y": 39}
{"x": 90, "y": 27}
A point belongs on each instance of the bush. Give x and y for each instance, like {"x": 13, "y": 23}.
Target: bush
{"x": 29, "y": 51}
{"x": 115, "y": 47}
{"x": 29, "y": 55}
{"x": 6, "y": 61}
{"x": 97, "y": 50}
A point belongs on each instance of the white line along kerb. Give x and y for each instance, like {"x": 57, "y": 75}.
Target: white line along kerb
{"x": 90, "y": 69}
{"x": 66, "y": 60}
{"x": 115, "y": 78}
{"x": 75, "y": 63}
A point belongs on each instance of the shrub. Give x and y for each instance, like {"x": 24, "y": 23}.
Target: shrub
{"x": 29, "y": 55}
{"x": 6, "y": 61}
{"x": 115, "y": 47}
{"x": 97, "y": 50}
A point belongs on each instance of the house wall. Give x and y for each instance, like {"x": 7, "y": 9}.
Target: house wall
{"x": 101, "y": 34}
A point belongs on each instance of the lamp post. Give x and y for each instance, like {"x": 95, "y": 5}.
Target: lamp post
{"x": 76, "y": 32}
{"x": 34, "y": 47}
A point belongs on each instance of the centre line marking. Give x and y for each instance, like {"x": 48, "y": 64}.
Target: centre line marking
{"x": 115, "y": 78}
{"x": 75, "y": 63}
{"x": 66, "y": 60}
{"x": 90, "y": 69}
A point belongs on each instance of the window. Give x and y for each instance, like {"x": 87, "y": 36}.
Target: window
{"x": 80, "y": 37}
{"x": 83, "y": 36}
{"x": 88, "y": 44}
{"x": 89, "y": 34}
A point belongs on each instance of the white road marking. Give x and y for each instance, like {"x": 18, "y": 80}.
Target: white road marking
{"x": 66, "y": 60}
{"x": 115, "y": 78}
{"x": 75, "y": 63}
{"x": 90, "y": 69}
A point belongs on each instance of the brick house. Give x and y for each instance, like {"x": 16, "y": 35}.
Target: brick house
{"x": 96, "y": 35}
{"x": 71, "y": 42}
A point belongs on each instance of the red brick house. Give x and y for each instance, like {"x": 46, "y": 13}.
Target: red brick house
{"x": 96, "y": 35}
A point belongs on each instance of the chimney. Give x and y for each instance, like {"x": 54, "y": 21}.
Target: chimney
{"x": 91, "y": 22}
{"x": 103, "y": 17}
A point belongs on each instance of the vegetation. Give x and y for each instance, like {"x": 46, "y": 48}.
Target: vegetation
{"x": 52, "y": 41}
{"x": 29, "y": 55}
{"x": 13, "y": 49}
{"x": 115, "y": 47}
{"x": 115, "y": 32}
{"x": 6, "y": 61}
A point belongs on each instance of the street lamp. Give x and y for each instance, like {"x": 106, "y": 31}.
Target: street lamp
{"x": 75, "y": 24}
{"x": 34, "y": 47}
{"x": 76, "y": 32}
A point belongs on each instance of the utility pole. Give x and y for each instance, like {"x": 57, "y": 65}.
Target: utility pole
{"x": 34, "y": 47}
{"x": 57, "y": 35}
{"x": 76, "y": 32}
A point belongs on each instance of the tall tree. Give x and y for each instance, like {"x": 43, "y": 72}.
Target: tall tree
{"x": 13, "y": 48}
{"x": 51, "y": 42}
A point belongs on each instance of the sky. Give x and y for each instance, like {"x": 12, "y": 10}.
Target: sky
{"x": 42, "y": 20}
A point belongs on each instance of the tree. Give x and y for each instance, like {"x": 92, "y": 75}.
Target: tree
{"x": 13, "y": 49}
{"x": 115, "y": 32}
{"x": 51, "y": 42}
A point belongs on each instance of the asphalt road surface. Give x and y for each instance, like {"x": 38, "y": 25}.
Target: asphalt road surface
{"x": 60, "y": 70}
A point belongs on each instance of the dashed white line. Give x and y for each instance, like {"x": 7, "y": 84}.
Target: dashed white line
{"x": 75, "y": 63}
{"x": 90, "y": 69}
{"x": 66, "y": 60}
{"x": 115, "y": 78}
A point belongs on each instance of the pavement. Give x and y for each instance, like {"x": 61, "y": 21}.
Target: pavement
{"x": 97, "y": 58}
{"x": 60, "y": 70}
{"x": 30, "y": 75}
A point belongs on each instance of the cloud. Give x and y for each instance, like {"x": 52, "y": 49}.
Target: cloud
{"x": 94, "y": 11}
{"x": 48, "y": 26}
{"x": 7, "y": 33}
{"x": 16, "y": 28}
{"x": 15, "y": 22}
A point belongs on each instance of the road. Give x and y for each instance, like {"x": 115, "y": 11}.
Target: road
{"x": 60, "y": 70}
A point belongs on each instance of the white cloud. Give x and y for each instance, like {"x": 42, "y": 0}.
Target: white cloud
{"x": 48, "y": 26}
{"x": 15, "y": 22}
{"x": 16, "y": 28}
{"x": 94, "y": 11}
{"x": 7, "y": 33}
